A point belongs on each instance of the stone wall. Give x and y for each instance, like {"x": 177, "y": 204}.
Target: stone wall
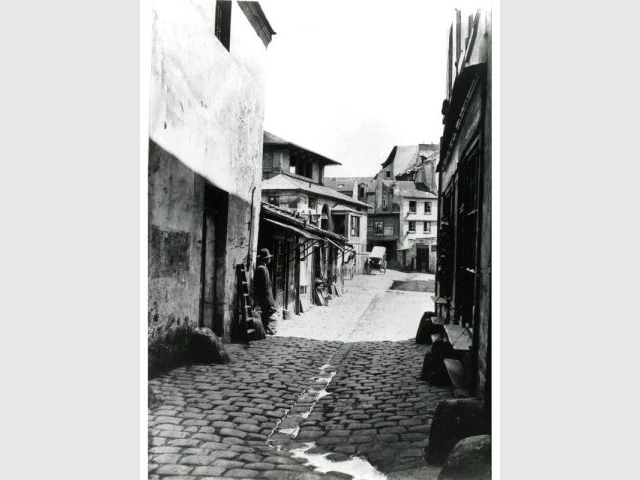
{"x": 207, "y": 103}
{"x": 206, "y": 125}
{"x": 175, "y": 233}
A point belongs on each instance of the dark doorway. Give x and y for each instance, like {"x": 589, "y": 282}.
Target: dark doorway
{"x": 422, "y": 258}
{"x": 324, "y": 218}
{"x": 466, "y": 241}
{"x": 278, "y": 274}
{"x": 290, "y": 256}
{"x": 214, "y": 232}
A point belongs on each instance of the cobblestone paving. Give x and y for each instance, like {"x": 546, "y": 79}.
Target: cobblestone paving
{"x": 242, "y": 419}
{"x": 213, "y": 420}
{"x": 378, "y": 408}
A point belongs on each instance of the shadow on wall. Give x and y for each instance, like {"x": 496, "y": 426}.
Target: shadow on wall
{"x": 197, "y": 233}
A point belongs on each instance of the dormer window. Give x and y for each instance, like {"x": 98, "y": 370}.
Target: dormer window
{"x": 299, "y": 166}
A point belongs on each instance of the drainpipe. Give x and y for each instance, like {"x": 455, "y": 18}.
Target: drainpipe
{"x": 250, "y": 255}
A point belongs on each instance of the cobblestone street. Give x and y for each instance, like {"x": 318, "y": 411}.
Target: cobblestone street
{"x": 351, "y": 388}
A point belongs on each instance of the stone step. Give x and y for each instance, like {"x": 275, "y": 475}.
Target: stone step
{"x": 460, "y": 337}
{"x": 456, "y": 374}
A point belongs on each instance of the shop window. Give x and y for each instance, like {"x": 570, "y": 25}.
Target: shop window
{"x": 412, "y": 227}
{"x": 223, "y": 23}
{"x": 378, "y": 227}
{"x": 273, "y": 200}
{"x": 412, "y": 206}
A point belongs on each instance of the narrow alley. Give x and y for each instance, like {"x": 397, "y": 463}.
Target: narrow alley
{"x": 340, "y": 400}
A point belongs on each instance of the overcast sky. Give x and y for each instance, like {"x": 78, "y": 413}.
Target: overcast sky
{"x": 350, "y": 79}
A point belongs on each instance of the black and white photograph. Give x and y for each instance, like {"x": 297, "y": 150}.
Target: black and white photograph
{"x": 319, "y": 240}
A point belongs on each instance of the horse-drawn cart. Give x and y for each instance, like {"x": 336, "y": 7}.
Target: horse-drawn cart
{"x": 377, "y": 260}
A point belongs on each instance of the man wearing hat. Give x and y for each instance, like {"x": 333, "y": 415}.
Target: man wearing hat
{"x": 263, "y": 290}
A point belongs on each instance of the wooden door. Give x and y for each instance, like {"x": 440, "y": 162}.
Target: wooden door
{"x": 208, "y": 276}
{"x": 290, "y": 283}
{"x": 214, "y": 231}
{"x": 279, "y": 270}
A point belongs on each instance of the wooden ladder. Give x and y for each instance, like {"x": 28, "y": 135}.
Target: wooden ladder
{"x": 246, "y": 314}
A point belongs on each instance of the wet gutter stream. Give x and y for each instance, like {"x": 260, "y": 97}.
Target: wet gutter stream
{"x": 288, "y": 427}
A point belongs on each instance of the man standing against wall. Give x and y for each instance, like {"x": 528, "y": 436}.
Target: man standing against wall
{"x": 263, "y": 290}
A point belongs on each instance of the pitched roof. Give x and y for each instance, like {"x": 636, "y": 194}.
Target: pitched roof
{"x": 344, "y": 208}
{"x": 407, "y": 188}
{"x": 285, "y": 182}
{"x": 417, "y": 162}
{"x": 406, "y": 157}
{"x": 271, "y": 139}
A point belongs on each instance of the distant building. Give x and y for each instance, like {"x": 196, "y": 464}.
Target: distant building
{"x": 355, "y": 187}
{"x": 418, "y": 221}
{"x": 205, "y": 154}
{"x": 405, "y": 206}
{"x": 294, "y": 182}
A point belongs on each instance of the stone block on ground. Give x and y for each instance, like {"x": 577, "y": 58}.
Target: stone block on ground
{"x": 433, "y": 367}
{"x": 258, "y": 330}
{"x": 470, "y": 459}
{"x": 454, "y": 420}
{"x": 426, "y": 329}
{"x": 206, "y": 347}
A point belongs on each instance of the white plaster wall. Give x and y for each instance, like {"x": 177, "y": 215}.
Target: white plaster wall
{"x": 207, "y": 104}
{"x": 419, "y": 217}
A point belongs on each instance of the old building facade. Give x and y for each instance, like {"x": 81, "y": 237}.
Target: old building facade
{"x": 463, "y": 280}
{"x": 294, "y": 181}
{"x": 205, "y": 154}
{"x": 403, "y": 219}
{"x": 303, "y": 254}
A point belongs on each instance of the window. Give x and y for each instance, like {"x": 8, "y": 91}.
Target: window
{"x": 223, "y": 23}
{"x": 292, "y": 165}
{"x": 293, "y": 203}
{"x": 412, "y": 227}
{"x": 388, "y": 174}
{"x": 427, "y": 207}
{"x": 427, "y": 227}
{"x": 273, "y": 200}
{"x": 378, "y": 227}
{"x": 361, "y": 192}
{"x": 312, "y": 203}
{"x": 384, "y": 203}
{"x": 412, "y": 206}
{"x": 355, "y": 226}
{"x": 340, "y": 186}
{"x": 267, "y": 160}
{"x": 388, "y": 231}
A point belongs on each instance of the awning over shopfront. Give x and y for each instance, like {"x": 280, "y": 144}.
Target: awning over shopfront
{"x": 297, "y": 230}
{"x": 334, "y": 244}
